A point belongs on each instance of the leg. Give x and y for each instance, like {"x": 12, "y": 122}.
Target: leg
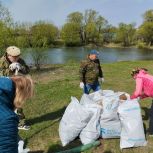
{"x": 96, "y": 86}
{"x": 21, "y": 116}
{"x": 22, "y": 125}
{"x": 151, "y": 120}
{"x": 87, "y": 88}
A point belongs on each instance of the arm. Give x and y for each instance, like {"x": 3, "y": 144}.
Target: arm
{"x": 24, "y": 68}
{"x": 82, "y": 72}
{"x": 100, "y": 69}
{"x": 9, "y": 135}
{"x": 138, "y": 91}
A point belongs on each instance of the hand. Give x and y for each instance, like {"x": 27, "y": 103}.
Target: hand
{"x": 15, "y": 66}
{"x": 81, "y": 85}
{"x": 101, "y": 80}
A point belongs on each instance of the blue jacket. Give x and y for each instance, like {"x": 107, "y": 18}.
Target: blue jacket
{"x": 8, "y": 119}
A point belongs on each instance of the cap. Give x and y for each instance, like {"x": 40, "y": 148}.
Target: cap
{"x": 94, "y": 52}
{"x": 13, "y": 51}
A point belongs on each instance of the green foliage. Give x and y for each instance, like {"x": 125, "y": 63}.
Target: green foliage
{"x": 125, "y": 34}
{"x": 80, "y": 29}
{"x": 43, "y": 34}
{"x": 145, "y": 32}
{"x": 148, "y": 16}
{"x": 38, "y": 56}
{"x": 70, "y": 34}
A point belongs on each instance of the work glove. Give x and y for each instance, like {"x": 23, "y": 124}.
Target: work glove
{"x": 15, "y": 66}
{"x": 20, "y": 147}
{"x": 81, "y": 85}
{"x": 101, "y": 80}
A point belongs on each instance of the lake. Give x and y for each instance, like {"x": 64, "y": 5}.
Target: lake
{"x": 106, "y": 55}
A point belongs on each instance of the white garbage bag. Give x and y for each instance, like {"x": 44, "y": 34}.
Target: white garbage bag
{"x": 20, "y": 147}
{"x": 94, "y": 97}
{"x": 108, "y": 93}
{"x": 92, "y": 131}
{"x": 132, "y": 133}
{"x": 73, "y": 121}
{"x": 110, "y": 123}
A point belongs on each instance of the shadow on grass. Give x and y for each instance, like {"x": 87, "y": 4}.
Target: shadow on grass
{"x": 40, "y": 130}
{"x": 50, "y": 116}
{"x": 57, "y": 147}
{"x": 107, "y": 152}
{"x": 146, "y": 111}
{"x": 39, "y": 151}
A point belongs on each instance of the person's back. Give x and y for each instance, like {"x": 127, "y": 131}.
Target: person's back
{"x": 8, "y": 119}
{"x": 147, "y": 82}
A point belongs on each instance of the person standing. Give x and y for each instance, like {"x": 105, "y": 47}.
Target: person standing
{"x": 13, "y": 92}
{"x": 91, "y": 74}
{"x": 12, "y": 64}
{"x": 144, "y": 89}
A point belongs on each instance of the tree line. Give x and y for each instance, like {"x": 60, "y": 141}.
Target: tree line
{"x": 80, "y": 29}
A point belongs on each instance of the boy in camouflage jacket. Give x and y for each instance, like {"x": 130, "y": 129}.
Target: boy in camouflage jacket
{"x": 91, "y": 73}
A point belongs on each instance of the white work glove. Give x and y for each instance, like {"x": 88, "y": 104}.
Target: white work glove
{"x": 20, "y": 147}
{"x": 15, "y": 66}
{"x": 101, "y": 80}
{"x": 81, "y": 85}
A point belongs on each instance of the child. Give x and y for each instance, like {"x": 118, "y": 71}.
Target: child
{"x": 144, "y": 89}
{"x": 13, "y": 92}
{"x": 91, "y": 73}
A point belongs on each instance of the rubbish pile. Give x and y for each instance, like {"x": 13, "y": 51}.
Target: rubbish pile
{"x": 105, "y": 114}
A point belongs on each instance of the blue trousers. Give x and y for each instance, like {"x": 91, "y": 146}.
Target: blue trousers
{"x": 94, "y": 87}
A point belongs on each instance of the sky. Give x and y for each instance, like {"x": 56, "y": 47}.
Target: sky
{"x": 56, "y": 11}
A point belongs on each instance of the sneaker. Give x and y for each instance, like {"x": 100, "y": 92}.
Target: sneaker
{"x": 24, "y": 127}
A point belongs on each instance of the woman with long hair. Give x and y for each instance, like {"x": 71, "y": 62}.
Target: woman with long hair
{"x": 13, "y": 93}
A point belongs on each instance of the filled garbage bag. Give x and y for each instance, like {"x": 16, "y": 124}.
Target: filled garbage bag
{"x": 92, "y": 130}
{"x": 75, "y": 118}
{"x": 132, "y": 132}
{"x": 95, "y": 97}
{"x": 110, "y": 122}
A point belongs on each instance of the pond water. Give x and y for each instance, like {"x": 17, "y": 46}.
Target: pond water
{"x": 106, "y": 55}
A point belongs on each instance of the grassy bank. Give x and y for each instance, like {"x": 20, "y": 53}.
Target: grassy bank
{"x": 54, "y": 85}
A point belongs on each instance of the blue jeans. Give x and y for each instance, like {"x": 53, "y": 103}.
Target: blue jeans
{"x": 94, "y": 87}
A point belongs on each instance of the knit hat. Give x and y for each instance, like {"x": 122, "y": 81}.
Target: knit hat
{"x": 13, "y": 51}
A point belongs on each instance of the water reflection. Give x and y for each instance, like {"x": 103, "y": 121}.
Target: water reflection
{"x": 106, "y": 55}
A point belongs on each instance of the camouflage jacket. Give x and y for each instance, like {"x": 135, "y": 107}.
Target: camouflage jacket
{"x": 90, "y": 71}
{"x": 4, "y": 67}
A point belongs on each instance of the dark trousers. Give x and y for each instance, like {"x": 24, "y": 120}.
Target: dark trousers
{"x": 151, "y": 119}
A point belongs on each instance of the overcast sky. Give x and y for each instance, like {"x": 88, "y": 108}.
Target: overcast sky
{"x": 115, "y": 11}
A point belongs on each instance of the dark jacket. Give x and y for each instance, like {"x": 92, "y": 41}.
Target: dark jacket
{"x": 90, "y": 71}
{"x": 5, "y": 63}
{"x": 8, "y": 119}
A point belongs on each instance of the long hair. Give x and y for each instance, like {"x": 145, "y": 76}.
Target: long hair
{"x": 23, "y": 89}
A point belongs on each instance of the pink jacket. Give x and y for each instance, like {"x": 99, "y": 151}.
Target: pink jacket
{"x": 144, "y": 85}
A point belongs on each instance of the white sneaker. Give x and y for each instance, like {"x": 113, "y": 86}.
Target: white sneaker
{"x": 24, "y": 127}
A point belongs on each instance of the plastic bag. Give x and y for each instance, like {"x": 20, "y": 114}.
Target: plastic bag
{"x": 92, "y": 131}
{"x": 110, "y": 123}
{"x": 132, "y": 133}
{"x": 73, "y": 121}
{"x": 92, "y": 98}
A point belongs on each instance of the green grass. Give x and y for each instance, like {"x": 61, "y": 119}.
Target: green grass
{"x": 54, "y": 85}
